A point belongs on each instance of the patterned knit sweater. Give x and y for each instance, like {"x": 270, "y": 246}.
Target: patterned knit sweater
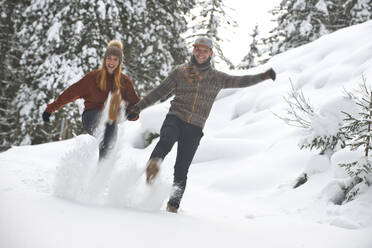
{"x": 195, "y": 88}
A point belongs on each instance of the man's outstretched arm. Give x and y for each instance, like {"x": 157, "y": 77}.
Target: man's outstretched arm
{"x": 229, "y": 81}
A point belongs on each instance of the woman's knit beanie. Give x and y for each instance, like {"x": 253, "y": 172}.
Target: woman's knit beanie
{"x": 115, "y": 48}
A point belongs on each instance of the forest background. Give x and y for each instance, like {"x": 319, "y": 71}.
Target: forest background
{"x": 47, "y": 45}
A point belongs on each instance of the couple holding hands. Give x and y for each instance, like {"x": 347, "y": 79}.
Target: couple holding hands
{"x": 194, "y": 85}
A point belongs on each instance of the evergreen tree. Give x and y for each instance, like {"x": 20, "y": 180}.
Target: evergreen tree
{"x": 152, "y": 40}
{"x": 359, "y": 134}
{"x": 210, "y": 18}
{"x": 337, "y": 17}
{"x": 300, "y": 113}
{"x": 10, "y": 20}
{"x": 50, "y": 65}
{"x": 250, "y": 60}
{"x": 344, "y": 13}
{"x": 298, "y": 22}
{"x": 358, "y": 11}
{"x": 66, "y": 39}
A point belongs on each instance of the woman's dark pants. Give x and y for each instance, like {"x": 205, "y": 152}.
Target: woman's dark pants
{"x": 188, "y": 137}
{"x": 91, "y": 119}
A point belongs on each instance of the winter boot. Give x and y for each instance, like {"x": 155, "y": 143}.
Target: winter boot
{"x": 152, "y": 169}
{"x": 114, "y": 106}
{"x": 171, "y": 209}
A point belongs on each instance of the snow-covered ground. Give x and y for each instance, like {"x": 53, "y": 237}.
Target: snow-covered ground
{"x": 240, "y": 189}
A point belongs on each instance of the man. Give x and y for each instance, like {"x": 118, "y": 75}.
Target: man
{"x": 195, "y": 86}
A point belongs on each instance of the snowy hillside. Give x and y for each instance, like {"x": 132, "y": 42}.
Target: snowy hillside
{"x": 240, "y": 188}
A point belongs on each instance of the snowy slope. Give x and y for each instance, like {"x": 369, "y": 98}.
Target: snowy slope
{"x": 239, "y": 191}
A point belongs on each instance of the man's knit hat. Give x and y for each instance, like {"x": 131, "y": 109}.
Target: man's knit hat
{"x": 115, "y": 48}
{"x": 203, "y": 41}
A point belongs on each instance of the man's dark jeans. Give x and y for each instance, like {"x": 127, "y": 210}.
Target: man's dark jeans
{"x": 90, "y": 121}
{"x": 188, "y": 137}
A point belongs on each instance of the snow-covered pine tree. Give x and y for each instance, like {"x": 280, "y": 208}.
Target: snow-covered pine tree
{"x": 358, "y": 131}
{"x": 298, "y": 22}
{"x": 320, "y": 131}
{"x": 63, "y": 40}
{"x": 153, "y": 41}
{"x": 10, "y": 19}
{"x": 251, "y": 59}
{"x": 358, "y": 11}
{"x": 337, "y": 15}
{"x": 210, "y": 17}
{"x": 50, "y": 65}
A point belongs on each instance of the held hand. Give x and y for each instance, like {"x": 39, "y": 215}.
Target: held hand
{"x": 132, "y": 112}
{"x": 46, "y": 116}
{"x": 269, "y": 74}
{"x": 132, "y": 116}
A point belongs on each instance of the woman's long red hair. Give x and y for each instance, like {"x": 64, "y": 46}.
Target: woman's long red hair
{"x": 102, "y": 77}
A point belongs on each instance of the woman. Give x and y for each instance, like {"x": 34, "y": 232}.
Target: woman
{"x": 94, "y": 88}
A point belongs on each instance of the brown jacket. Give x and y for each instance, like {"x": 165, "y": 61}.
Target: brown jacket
{"x": 94, "y": 98}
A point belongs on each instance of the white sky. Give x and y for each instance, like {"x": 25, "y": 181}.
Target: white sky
{"x": 247, "y": 14}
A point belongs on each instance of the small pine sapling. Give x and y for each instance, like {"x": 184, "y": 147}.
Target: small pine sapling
{"x": 358, "y": 134}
